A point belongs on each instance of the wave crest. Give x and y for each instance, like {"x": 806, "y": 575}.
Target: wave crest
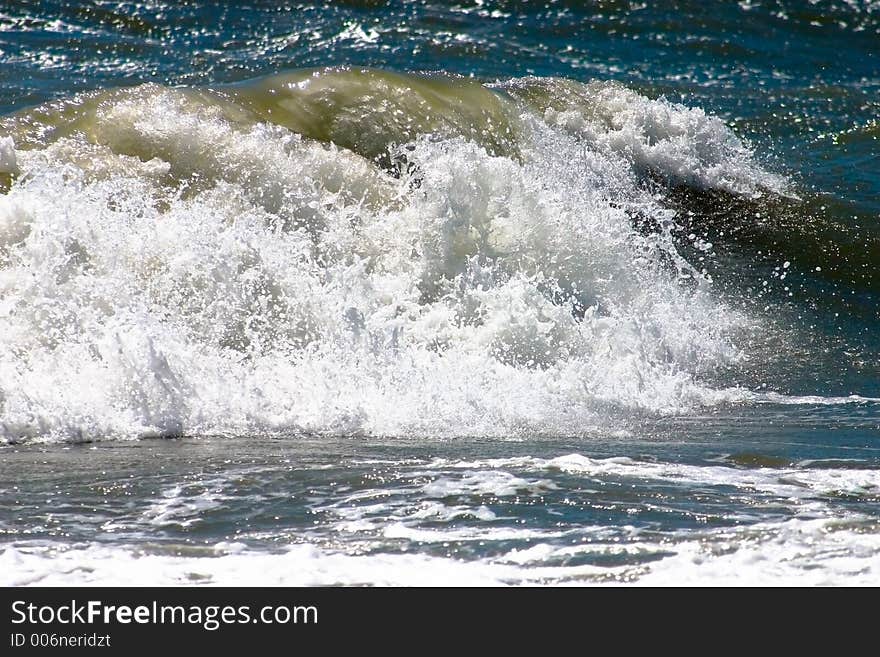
{"x": 446, "y": 263}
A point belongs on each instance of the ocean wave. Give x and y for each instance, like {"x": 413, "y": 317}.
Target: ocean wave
{"x": 358, "y": 252}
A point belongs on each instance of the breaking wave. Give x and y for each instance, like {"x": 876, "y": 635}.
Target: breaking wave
{"x": 343, "y": 251}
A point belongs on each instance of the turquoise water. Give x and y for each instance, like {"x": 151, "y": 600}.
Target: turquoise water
{"x": 435, "y": 314}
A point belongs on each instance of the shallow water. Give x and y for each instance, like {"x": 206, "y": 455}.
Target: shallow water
{"x": 571, "y": 294}
{"x": 677, "y": 502}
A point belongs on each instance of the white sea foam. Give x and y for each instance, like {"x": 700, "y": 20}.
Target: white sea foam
{"x": 792, "y": 552}
{"x": 790, "y": 483}
{"x": 183, "y": 272}
{"x": 8, "y": 162}
{"x": 493, "y": 482}
{"x": 683, "y": 144}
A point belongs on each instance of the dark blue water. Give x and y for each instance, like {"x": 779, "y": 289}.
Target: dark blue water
{"x": 778, "y": 486}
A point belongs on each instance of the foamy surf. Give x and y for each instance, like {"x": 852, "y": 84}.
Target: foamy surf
{"x": 769, "y": 556}
{"x": 432, "y": 257}
{"x": 448, "y": 523}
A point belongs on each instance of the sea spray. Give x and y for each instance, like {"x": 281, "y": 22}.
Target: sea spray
{"x": 174, "y": 262}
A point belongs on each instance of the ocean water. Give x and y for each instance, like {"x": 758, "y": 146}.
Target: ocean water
{"x": 469, "y": 293}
